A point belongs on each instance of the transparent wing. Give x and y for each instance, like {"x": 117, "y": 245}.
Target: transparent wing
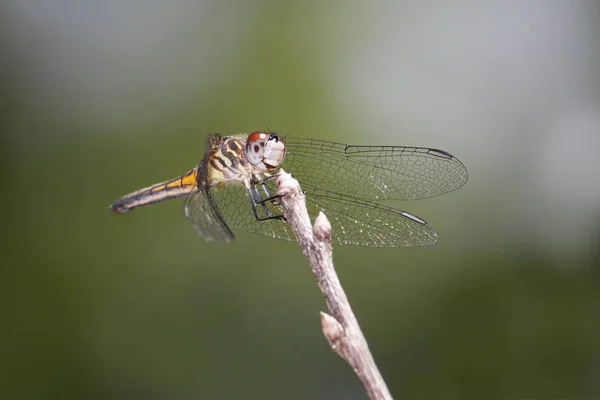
{"x": 236, "y": 209}
{"x": 373, "y": 172}
{"x": 202, "y": 211}
{"x": 365, "y": 223}
{"x": 354, "y": 222}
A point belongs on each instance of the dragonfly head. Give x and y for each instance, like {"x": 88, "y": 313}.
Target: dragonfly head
{"x": 265, "y": 150}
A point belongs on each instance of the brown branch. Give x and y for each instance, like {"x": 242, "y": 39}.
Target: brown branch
{"x": 341, "y": 327}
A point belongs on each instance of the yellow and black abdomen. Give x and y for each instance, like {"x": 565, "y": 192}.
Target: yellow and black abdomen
{"x": 180, "y": 186}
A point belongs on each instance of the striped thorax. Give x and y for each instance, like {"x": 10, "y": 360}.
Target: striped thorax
{"x": 244, "y": 158}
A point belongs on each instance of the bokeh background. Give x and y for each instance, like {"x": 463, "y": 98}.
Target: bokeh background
{"x": 101, "y": 98}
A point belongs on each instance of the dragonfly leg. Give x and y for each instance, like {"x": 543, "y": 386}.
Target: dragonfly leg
{"x": 273, "y": 198}
{"x": 252, "y": 198}
{"x": 256, "y": 199}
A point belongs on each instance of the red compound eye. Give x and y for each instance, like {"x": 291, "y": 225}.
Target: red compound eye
{"x": 255, "y": 147}
{"x": 258, "y": 137}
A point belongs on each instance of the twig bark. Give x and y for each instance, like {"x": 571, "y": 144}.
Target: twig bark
{"x": 341, "y": 327}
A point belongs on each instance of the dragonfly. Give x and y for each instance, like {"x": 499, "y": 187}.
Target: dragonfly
{"x": 234, "y": 187}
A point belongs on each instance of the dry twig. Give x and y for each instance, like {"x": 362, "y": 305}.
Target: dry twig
{"x": 341, "y": 327}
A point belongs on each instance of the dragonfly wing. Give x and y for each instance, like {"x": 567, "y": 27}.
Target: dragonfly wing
{"x": 373, "y": 172}
{"x": 236, "y": 209}
{"x": 201, "y": 210}
{"x": 354, "y": 222}
{"x": 365, "y": 223}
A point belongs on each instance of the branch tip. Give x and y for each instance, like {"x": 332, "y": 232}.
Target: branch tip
{"x": 286, "y": 183}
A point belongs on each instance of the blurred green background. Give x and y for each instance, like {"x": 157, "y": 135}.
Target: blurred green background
{"x": 101, "y": 98}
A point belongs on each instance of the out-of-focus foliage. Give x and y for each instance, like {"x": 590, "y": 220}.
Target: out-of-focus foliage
{"x": 100, "y": 98}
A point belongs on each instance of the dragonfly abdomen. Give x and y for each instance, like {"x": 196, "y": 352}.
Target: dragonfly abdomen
{"x": 170, "y": 189}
